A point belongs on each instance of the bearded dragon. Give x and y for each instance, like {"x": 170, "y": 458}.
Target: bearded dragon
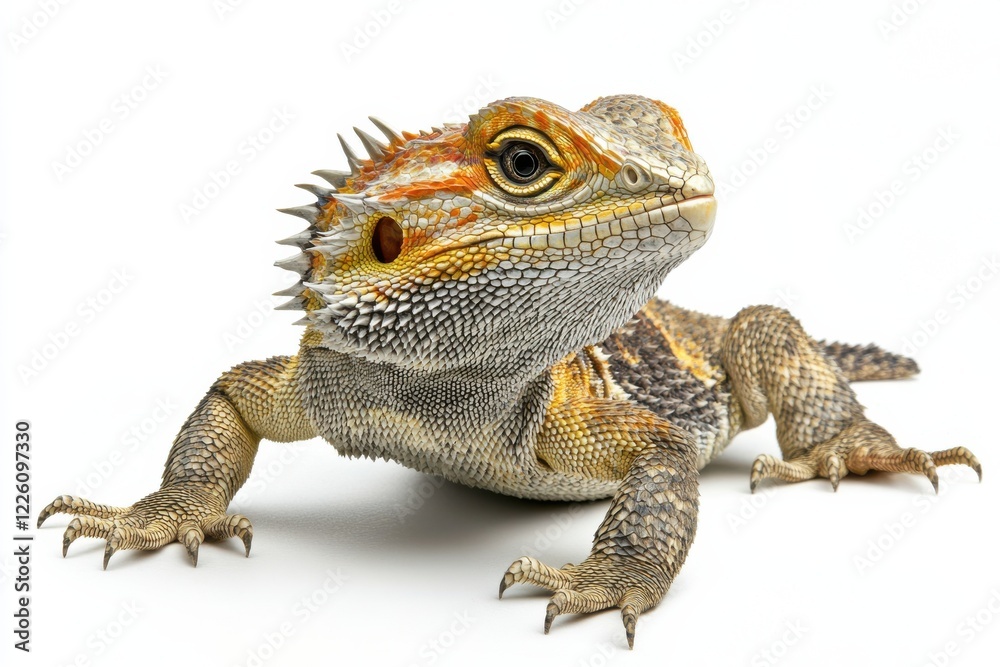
{"x": 479, "y": 305}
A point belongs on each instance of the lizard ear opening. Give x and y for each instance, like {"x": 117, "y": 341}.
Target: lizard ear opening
{"x": 387, "y": 240}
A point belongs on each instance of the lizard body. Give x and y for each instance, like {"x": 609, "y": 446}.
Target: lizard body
{"x": 479, "y": 305}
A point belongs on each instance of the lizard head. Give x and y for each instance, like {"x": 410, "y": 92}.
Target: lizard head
{"x": 511, "y": 240}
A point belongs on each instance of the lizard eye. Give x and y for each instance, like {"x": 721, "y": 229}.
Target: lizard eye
{"x": 523, "y": 161}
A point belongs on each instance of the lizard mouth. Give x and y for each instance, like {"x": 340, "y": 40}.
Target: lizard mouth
{"x": 653, "y": 222}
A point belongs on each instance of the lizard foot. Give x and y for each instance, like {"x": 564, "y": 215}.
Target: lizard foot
{"x": 178, "y": 513}
{"x": 599, "y": 582}
{"x": 860, "y": 447}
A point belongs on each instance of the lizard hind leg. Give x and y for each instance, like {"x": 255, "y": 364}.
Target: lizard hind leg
{"x": 776, "y": 367}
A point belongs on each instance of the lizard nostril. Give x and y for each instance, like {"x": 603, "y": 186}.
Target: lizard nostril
{"x": 630, "y": 175}
{"x": 387, "y": 240}
{"x": 633, "y": 177}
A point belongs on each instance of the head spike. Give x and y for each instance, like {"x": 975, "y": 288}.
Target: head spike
{"x": 320, "y": 288}
{"x": 309, "y": 213}
{"x": 299, "y": 263}
{"x": 320, "y": 192}
{"x": 337, "y": 179}
{"x": 355, "y": 203}
{"x": 376, "y": 149}
{"x": 294, "y": 290}
{"x": 295, "y": 303}
{"x": 301, "y": 240}
{"x": 352, "y": 159}
{"x": 395, "y": 138}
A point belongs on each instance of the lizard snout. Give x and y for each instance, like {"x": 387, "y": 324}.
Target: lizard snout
{"x": 698, "y": 185}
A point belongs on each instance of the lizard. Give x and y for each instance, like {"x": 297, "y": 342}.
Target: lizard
{"x": 479, "y": 304}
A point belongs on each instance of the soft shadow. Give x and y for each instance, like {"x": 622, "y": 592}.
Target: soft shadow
{"x": 450, "y": 516}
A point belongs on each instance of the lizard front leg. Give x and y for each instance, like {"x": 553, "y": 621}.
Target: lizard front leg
{"x": 645, "y": 536}
{"x": 210, "y": 460}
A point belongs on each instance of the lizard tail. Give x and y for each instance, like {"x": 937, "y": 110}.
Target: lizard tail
{"x": 869, "y": 362}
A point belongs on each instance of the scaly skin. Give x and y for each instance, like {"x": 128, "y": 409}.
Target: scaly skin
{"x": 479, "y": 306}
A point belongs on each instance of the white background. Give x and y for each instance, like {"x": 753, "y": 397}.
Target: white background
{"x": 418, "y": 586}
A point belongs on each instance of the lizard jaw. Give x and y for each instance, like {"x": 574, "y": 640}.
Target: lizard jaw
{"x": 699, "y": 212}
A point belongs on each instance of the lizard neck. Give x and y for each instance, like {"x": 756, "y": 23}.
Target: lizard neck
{"x": 486, "y": 389}
{"x": 458, "y": 423}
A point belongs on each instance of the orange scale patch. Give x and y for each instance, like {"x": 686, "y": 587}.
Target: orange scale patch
{"x": 542, "y": 120}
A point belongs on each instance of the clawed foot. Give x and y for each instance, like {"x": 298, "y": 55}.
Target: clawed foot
{"x": 596, "y": 584}
{"x": 860, "y": 447}
{"x": 181, "y": 514}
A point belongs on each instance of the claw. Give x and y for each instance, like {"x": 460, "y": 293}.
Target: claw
{"x": 73, "y": 505}
{"x": 550, "y": 613}
{"x": 835, "y": 468}
{"x": 933, "y": 476}
{"x": 191, "y": 536}
{"x": 504, "y": 584}
{"x": 629, "y": 616}
{"x": 958, "y": 455}
{"x": 109, "y": 551}
{"x": 247, "y": 539}
{"x": 45, "y": 514}
{"x": 73, "y": 530}
{"x": 757, "y": 472}
{"x": 245, "y": 533}
{"x": 52, "y": 508}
